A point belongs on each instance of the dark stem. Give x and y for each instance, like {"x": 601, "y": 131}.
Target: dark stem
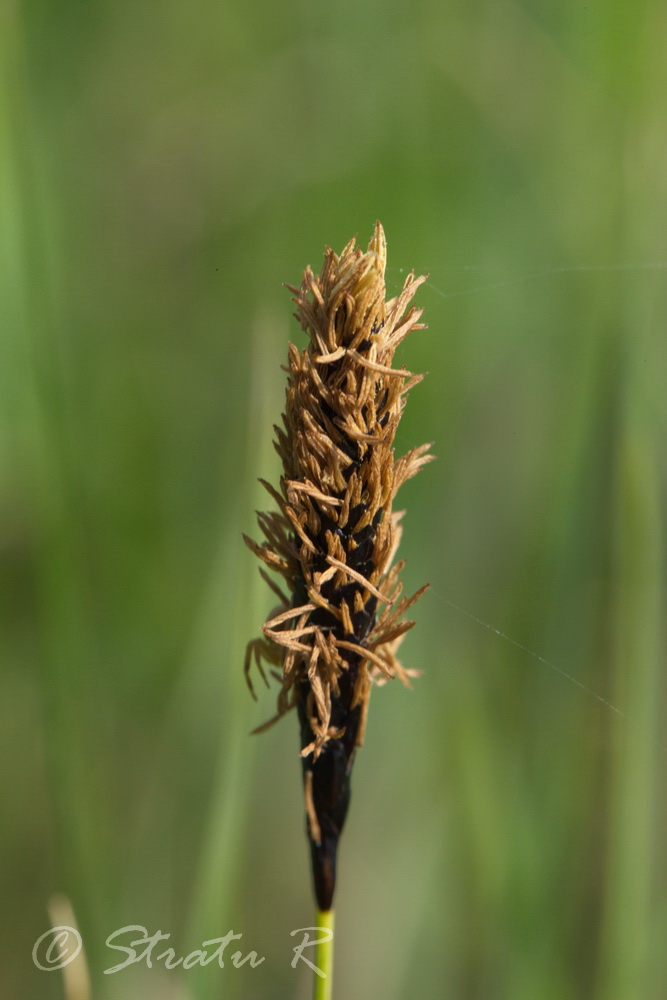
{"x": 330, "y": 785}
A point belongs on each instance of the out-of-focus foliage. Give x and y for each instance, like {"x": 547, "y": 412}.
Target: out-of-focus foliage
{"x": 163, "y": 168}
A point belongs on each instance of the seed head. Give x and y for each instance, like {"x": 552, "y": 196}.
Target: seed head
{"x": 334, "y": 534}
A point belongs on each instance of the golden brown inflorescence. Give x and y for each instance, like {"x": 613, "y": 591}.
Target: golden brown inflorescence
{"x": 334, "y": 534}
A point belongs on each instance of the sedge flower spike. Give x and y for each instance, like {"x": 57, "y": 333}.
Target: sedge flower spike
{"x": 334, "y": 534}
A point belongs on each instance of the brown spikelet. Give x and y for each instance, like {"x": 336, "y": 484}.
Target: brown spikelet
{"x": 333, "y": 536}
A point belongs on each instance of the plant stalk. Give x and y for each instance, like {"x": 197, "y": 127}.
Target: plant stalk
{"x": 324, "y": 953}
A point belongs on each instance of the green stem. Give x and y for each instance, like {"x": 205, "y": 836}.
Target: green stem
{"x": 324, "y": 950}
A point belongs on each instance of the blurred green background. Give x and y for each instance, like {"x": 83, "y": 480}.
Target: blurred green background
{"x": 164, "y": 167}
